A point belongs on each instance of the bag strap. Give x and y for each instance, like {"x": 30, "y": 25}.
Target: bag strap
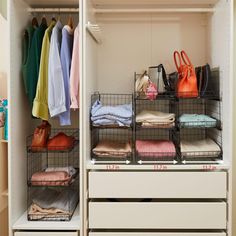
{"x": 164, "y": 76}
{"x": 185, "y": 58}
{"x": 177, "y": 58}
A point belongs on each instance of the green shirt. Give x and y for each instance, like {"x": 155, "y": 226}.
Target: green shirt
{"x": 34, "y": 62}
{"x": 27, "y": 41}
{"x": 40, "y": 106}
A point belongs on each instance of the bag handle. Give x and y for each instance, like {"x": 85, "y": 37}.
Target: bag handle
{"x": 185, "y": 58}
{"x": 177, "y": 58}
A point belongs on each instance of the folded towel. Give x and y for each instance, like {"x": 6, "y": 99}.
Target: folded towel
{"x": 199, "y": 148}
{"x": 155, "y": 148}
{"x": 52, "y": 178}
{"x": 106, "y": 148}
{"x": 109, "y": 115}
{"x": 148, "y": 116}
{"x": 196, "y": 120}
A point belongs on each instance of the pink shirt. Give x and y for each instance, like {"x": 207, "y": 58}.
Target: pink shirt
{"x": 74, "y": 73}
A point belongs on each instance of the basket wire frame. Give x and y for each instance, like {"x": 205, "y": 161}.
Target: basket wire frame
{"x": 39, "y": 161}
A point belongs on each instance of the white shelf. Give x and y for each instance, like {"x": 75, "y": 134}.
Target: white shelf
{"x": 154, "y": 2}
{"x": 24, "y": 224}
{"x": 157, "y": 167}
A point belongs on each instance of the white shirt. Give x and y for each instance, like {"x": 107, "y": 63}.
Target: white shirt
{"x": 56, "y": 90}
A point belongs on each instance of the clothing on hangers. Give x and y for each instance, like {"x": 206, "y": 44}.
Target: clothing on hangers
{"x": 66, "y": 55}
{"x": 56, "y": 90}
{"x": 34, "y": 61}
{"x": 28, "y": 35}
{"x": 40, "y": 106}
{"x": 74, "y": 73}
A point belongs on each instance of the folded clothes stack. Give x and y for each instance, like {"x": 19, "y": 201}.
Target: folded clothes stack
{"x": 155, "y": 148}
{"x": 107, "y": 148}
{"x": 50, "y": 204}
{"x": 200, "y": 148}
{"x": 61, "y": 176}
{"x": 197, "y": 120}
{"x": 120, "y": 115}
{"x": 152, "y": 119}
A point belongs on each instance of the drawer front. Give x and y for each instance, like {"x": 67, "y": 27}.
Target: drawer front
{"x": 157, "y": 215}
{"x": 43, "y": 233}
{"x": 157, "y": 184}
{"x": 155, "y": 234}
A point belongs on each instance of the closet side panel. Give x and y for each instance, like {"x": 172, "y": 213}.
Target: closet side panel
{"x": 19, "y": 114}
{"x": 221, "y": 41}
{"x": 89, "y": 86}
{"x": 89, "y": 81}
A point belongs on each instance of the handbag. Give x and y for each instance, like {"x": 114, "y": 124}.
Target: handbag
{"x": 203, "y": 74}
{"x": 41, "y": 136}
{"x": 145, "y": 88}
{"x": 187, "y": 80}
{"x": 158, "y": 74}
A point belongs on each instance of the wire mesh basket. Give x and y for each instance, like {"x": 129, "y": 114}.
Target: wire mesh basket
{"x": 155, "y": 114}
{"x": 200, "y": 145}
{"x": 111, "y": 111}
{"x": 155, "y": 145}
{"x": 112, "y": 145}
{"x": 199, "y": 113}
{"x": 53, "y": 203}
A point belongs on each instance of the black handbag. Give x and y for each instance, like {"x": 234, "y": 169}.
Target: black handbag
{"x": 203, "y": 74}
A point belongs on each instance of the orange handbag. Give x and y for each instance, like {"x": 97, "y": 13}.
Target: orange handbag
{"x": 187, "y": 79}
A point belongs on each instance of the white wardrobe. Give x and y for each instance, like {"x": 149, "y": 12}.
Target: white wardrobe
{"x": 118, "y": 38}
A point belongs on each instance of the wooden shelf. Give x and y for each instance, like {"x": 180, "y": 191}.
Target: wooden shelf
{"x": 3, "y": 141}
{"x": 5, "y": 193}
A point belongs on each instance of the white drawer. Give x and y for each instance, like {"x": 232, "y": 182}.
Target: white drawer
{"x": 157, "y": 184}
{"x": 155, "y": 234}
{"x": 157, "y": 215}
{"x": 43, "y": 233}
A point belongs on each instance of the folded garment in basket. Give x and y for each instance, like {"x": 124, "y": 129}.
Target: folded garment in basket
{"x": 60, "y": 142}
{"x": 155, "y": 148}
{"x": 52, "y": 178}
{"x": 70, "y": 170}
{"x": 199, "y": 148}
{"x": 120, "y": 115}
{"x": 107, "y": 148}
{"x": 52, "y": 201}
{"x": 150, "y": 118}
{"x": 197, "y": 120}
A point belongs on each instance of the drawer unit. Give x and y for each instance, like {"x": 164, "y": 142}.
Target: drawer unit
{"x": 44, "y": 233}
{"x": 157, "y": 215}
{"x": 155, "y": 234}
{"x": 157, "y": 184}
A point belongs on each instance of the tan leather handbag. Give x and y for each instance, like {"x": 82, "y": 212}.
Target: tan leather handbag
{"x": 41, "y": 136}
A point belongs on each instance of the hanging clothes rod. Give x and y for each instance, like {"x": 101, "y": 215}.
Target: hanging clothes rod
{"x": 51, "y": 10}
{"x": 156, "y": 10}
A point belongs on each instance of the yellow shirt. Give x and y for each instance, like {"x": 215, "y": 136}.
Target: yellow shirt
{"x": 40, "y": 106}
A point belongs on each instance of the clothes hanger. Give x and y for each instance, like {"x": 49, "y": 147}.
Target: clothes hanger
{"x": 54, "y": 18}
{"x": 59, "y": 15}
{"x": 44, "y": 20}
{"x": 34, "y": 22}
{"x": 70, "y": 21}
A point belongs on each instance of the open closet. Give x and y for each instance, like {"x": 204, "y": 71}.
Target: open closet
{"x": 130, "y": 192}
{"x": 30, "y": 196}
{"x": 186, "y": 193}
